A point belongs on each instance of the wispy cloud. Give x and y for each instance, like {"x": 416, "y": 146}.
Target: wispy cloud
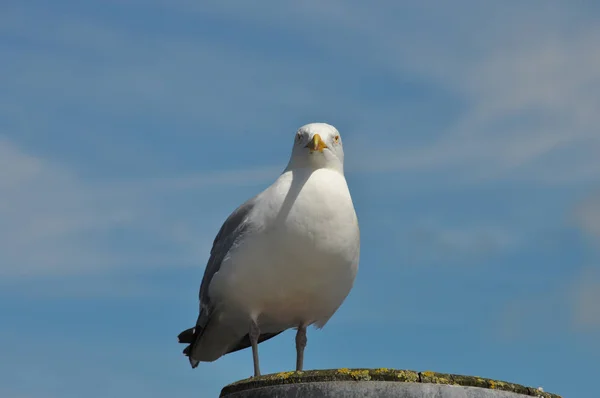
{"x": 587, "y": 217}
{"x": 130, "y": 130}
{"x": 430, "y": 243}
{"x": 570, "y": 307}
{"x": 585, "y": 296}
{"x": 55, "y": 222}
{"x": 585, "y": 288}
{"x": 130, "y": 71}
{"x": 528, "y": 96}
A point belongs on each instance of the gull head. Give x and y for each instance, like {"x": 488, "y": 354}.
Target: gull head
{"x": 317, "y": 145}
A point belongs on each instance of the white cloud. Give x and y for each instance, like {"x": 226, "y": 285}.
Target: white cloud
{"x": 528, "y": 94}
{"x": 531, "y": 114}
{"x": 55, "y": 223}
{"x": 572, "y": 306}
{"x": 44, "y": 211}
{"x": 585, "y": 296}
{"x": 433, "y": 243}
{"x": 126, "y": 71}
{"x": 587, "y": 217}
{"x": 529, "y": 97}
{"x": 585, "y": 288}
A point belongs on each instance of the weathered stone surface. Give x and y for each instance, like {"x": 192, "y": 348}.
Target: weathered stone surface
{"x": 376, "y": 383}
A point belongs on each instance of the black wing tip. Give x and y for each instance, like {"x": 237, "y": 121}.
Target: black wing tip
{"x": 187, "y": 336}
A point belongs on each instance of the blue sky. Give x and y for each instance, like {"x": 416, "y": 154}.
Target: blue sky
{"x": 129, "y": 130}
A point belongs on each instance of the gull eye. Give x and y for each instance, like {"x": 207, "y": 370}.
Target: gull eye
{"x": 298, "y": 137}
{"x": 336, "y": 138}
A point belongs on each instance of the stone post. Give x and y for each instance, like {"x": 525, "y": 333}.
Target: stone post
{"x": 380, "y": 383}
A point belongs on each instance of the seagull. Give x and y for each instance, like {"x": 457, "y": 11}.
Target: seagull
{"x": 286, "y": 258}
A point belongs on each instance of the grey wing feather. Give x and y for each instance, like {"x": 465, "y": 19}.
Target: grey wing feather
{"x": 236, "y": 225}
{"x": 232, "y": 229}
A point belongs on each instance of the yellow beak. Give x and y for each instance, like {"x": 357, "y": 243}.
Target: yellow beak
{"x": 316, "y": 144}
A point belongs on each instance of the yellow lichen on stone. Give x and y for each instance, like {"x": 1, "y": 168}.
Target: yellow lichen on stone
{"x": 406, "y": 375}
{"x": 492, "y": 384}
{"x": 360, "y": 375}
{"x": 284, "y": 375}
{"x": 438, "y": 378}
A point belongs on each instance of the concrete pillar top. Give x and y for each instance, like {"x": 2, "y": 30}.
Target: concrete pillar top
{"x": 377, "y": 383}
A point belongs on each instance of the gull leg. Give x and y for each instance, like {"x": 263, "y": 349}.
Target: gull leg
{"x": 300, "y": 344}
{"x": 254, "y": 333}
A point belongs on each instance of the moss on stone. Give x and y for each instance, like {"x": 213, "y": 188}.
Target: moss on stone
{"x": 381, "y": 374}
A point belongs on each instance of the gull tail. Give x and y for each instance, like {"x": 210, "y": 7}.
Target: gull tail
{"x": 188, "y": 336}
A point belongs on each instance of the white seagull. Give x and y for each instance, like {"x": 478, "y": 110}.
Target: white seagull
{"x": 286, "y": 258}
